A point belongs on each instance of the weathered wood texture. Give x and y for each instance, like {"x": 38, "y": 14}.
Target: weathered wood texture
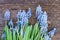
{"x": 51, "y": 6}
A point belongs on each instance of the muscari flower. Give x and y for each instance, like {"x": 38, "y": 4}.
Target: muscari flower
{"x": 24, "y": 14}
{"x": 7, "y": 15}
{"x": 51, "y": 33}
{"x": 19, "y": 14}
{"x": 46, "y": 37}
{"x": 43, "y": 20}
{"x": 25, "y": 20}
{"x": 44, "y": 30}
{"x": 38, "y": 10}
{"x": 29, "y": 13}
{"x": 3, "y": 36}
{"x": 39, "y": 19}
{"x": 18, "y": 22}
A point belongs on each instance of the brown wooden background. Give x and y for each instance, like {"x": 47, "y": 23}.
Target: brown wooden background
{"x": 51, "y": 6}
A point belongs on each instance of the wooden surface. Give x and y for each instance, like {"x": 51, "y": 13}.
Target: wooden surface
{"x": 51, "y": 6}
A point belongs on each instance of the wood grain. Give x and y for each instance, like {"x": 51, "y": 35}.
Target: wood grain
{"x": 51, "y": 6}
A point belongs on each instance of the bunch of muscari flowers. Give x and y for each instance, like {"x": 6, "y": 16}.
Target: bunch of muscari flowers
{"x": 22, "y": 19}
{"x": 6, "y": 18}
{"x": 42, "y": 21}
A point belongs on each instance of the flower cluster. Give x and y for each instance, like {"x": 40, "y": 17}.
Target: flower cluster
{"x": 23, "y": 17}
{"x": 38, "y": 11}
{"x": 29, "y": 13}
{"x": 23, "y": 31}
{"x": 7, "y": 15}
{"x": 42, "y": 21}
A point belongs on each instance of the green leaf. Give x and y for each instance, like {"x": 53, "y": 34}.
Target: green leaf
{"x": 26, "y": 25}
{"x": 10, "y": 34}
{"x": 27, "y": 33}
{"x": 14, "y": 36}
{"x": 35, "y": 30}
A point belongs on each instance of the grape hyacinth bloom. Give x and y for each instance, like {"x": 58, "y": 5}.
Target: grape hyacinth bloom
{"x": 51, "y": 33}
{"x": 3, "y": 36}
{"x": 44, "y": 29}
{"x": 46, "y": 37}
{"x": 7, "y": 15}
{"x": 39, "y": 19}
{"x": 23, "y": 17}
{"x": 29, "y": 13}
{"x": 43, "y": 20}
{"x": 23, "y": 14}
{"x": 18, "y": 22}
{"x": 25, "y": 20}
{"x": 19, "y": 14}
{"x": 22, "y": 20}
{"x": 38, "y": 10}
{"x": 20, "y": 28}
{"x": 10, "y": 24}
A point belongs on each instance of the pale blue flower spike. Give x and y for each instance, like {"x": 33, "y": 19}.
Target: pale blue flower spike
{"x": 10, "y": 24}
{"x": 22, "y": 24}
{"x": 18, "y": 22}
{"x": 19, "y": 14}
{"x": 25, "y": 20}
{"x": 51, "y": 33}
{"x": 44, "y": 29}
{"x": 24, "y": 13}
{"x": 7, "y": 15}
{"x": 3, "y": 36}
{"x": 29, "y": 13}
{"x": 43, "y": 20}
{"x": 46, "y": 16}
{"x": 46, "y": 37}
{"x": 22, "y": 17}
{"x": 38, "y": 10}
